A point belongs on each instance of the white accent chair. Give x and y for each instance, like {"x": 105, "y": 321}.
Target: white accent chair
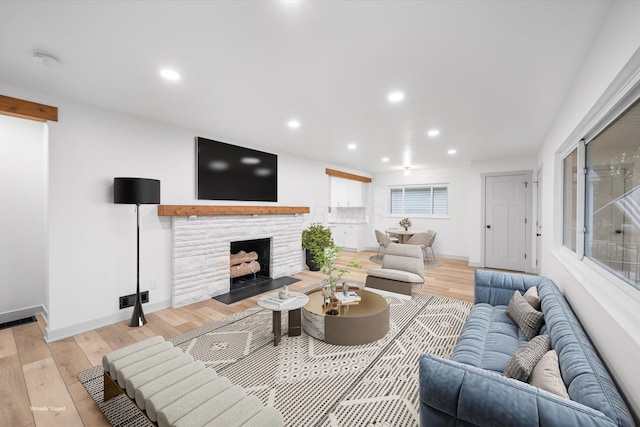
{"x": 402, "y": 270}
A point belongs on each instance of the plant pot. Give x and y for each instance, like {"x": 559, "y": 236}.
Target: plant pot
{"x": 313, "y": 266}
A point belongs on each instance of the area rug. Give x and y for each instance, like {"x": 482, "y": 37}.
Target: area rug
{"x": 428, "y": 263}
{"x": 317, "y": 384}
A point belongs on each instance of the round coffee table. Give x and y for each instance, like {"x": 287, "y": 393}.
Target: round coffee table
{"x": 274, "y": 303}
{"x": 356, "y": 324}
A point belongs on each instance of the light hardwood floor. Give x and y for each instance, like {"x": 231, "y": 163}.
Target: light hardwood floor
{"x": 38, "y": 384}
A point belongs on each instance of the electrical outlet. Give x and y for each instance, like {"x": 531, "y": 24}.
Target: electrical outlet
{"x": 130, "y": 300}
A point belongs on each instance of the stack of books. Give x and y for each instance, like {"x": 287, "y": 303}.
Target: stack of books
{"x": 348, "y": 298}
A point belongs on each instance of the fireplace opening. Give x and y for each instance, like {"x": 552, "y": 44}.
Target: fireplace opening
{"x": 250, "y": 262}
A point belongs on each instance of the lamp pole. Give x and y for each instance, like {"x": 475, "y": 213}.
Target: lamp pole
{"x": 137, "y": 318}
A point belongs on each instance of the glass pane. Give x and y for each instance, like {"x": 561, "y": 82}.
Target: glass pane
{"x": 440, "y": 201}
{"x": 612, "y": 202}
{"x": 417, "y": 200}
{"x": 570, "y": 191}
{"x": 396, "y": 200}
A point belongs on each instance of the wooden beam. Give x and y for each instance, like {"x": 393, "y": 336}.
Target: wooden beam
{"x": 198, "y": 210}
{"x": 345, "y": 175}
{"x": 27, "y": 110}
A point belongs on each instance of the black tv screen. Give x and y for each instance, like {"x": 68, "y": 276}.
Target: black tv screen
{"x": 230, "y": 172}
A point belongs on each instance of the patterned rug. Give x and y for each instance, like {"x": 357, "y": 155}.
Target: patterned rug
{"x": 317, "y": 384}
{"x": 428, "y": 263}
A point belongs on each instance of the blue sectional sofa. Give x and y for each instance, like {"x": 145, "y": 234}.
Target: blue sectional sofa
{"x": 470, "y": 390}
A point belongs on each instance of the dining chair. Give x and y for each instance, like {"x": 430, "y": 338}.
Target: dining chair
{"x": 422, "y": 240}
{"x": 393, "y": 237}
{"x": 383, "y": 240}
{"x": 430, "y": 244}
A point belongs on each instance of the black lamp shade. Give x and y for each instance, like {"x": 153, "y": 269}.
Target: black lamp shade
{"x": 136, "y": 191}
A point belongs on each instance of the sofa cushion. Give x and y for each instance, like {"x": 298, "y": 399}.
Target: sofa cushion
{"x": 546, "y": 375}
{"x": 399, "y": 275}
{"x": 532, "y": 297}
{"x": 525, "y": 359}
{"x": 488, "y": 339}
{"x": 526, "y": 317}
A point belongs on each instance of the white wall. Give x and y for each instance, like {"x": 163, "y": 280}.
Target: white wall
{"x": 23, "y": 196}
{"x": 92, "y": 240}
{"x": 608, "y": 310}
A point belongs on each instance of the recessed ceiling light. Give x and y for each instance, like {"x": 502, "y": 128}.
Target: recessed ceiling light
{"x": 352, "y": 146}
{"x": 170, "y": 74}
{"x": 433, "y": 132}
{"x": 452, "y": 151}
{"x": 293, "y": 124}
{"x": 396, "y": 96}
{"x": 385, "y": 159}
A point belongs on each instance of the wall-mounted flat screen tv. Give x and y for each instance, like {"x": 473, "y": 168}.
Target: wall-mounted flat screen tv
{"x": 231, "y": 172}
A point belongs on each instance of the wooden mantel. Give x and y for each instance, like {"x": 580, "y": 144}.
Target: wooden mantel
{"x": 202, "y": 210}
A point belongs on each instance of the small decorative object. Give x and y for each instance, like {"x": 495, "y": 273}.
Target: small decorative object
{"x": 405, "y": 223}
{"x": 345, "y": 288}
{"x": 284, "y": 293}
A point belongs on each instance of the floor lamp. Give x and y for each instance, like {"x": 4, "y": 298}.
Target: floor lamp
{"x": 137, "y": 191}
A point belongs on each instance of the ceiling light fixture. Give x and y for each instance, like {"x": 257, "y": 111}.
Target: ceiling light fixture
{"x": 396, "y": 96}
{"x": 452, "y": 151}
{"x": 385, "y": 159}
{"x": 352, "y": 146}
{"x": 407, "y": 170}
{"x": 170, "y": 74}
{"x": 293, "y": 124}
{"x": 433, "y": 132}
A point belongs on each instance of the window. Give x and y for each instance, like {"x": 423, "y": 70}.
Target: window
{"x": 428, "y": 200}
{"x": 570, "y": 193}
{"x": 612, "y": 199}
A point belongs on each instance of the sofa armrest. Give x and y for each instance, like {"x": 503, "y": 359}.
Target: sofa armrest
{"x": 496, "y": 287}
{"x": 486, "y": 398}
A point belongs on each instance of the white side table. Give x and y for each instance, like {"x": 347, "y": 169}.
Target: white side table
{"x": 292, "y": 305}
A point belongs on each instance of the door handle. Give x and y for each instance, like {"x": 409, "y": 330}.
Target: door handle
{"x": 538, "y": 234}
{"x": 488, "y": 226}
{"x": 618, "y": 231}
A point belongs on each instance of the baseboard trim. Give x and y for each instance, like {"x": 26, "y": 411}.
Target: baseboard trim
{"x": 10, "y": 316}
{"x": 52, "y": 335}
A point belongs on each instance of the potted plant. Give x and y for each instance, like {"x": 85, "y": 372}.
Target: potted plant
{"x": 315, "y": 239}
{"x": 325, "y": 260}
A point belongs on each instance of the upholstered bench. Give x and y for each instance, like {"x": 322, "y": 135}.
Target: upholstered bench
{"x": 175, "y": 390}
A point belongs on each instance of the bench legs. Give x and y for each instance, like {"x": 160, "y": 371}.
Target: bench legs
{"x": 110, "y": 387}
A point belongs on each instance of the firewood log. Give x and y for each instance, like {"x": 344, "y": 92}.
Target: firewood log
{"x": 244, "y": 269}
{"x": 243, "y": 256}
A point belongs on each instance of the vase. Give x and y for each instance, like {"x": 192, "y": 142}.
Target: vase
{"x": 406, "y": 229}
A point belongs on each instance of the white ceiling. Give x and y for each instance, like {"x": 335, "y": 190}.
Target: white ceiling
{"x": 490, "y": 75}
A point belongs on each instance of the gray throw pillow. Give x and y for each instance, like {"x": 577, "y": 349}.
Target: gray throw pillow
{"x": 528, "y": 319}
{"x": 532, "y": 297}
{"x": 546, "y": 375}
{"x": 525, "y": 359}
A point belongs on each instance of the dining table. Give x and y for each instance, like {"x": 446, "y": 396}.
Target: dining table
{"x": 402, "y": 235}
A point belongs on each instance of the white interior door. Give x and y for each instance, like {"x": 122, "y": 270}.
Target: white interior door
{"x": 505, "y": 222}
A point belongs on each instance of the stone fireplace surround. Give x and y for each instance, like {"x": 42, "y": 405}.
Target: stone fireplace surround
{"x": 201, "y": 244}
